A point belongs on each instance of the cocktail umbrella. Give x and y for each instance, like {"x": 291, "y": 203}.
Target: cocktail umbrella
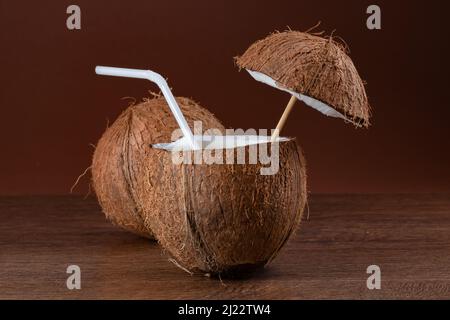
{"x": 313, "y": 69}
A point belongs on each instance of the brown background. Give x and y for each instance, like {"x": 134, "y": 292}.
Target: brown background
{"x": 54, "y": 106}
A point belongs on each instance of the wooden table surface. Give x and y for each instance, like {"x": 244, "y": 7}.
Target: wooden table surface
{"x": 407, "y": 236}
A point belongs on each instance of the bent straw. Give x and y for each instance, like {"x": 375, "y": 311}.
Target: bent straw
{"x": 162, "y": 84}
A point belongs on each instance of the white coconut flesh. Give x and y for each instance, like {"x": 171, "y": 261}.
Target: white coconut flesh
{"x": 313, "y": 103}
{"x": 217, "y": 142}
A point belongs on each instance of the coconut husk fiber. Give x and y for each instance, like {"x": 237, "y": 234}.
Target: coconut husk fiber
{"x": 224, "y": 219}
{"x": 315, "y": 66}
{"x": 124, "y": 156}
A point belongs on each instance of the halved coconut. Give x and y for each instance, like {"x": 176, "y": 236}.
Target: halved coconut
{"x": 314, "y": 69}
{"x": 225, "y": 218}
{"x": 124, "y": 155}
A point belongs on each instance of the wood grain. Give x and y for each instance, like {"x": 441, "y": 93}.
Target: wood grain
{"x": 408, "y": 236}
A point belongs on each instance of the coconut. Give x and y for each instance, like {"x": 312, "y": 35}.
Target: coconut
{"x": 317, "y": 70}
{"x": 224, "y": 219}
{"x": 124, "y": 154}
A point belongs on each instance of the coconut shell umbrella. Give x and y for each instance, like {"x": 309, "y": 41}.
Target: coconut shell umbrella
{"x": 313, "y": 69}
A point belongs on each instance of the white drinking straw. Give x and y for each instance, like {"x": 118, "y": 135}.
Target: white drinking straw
{"x": 162, "y": 84}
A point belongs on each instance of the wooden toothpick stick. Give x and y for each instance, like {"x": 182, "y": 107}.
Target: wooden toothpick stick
{"x": 283, "y": 118}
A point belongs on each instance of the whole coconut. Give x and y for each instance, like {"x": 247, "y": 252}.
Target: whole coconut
{"x": 224, "y": 219}
{"x": 124, "y": 154}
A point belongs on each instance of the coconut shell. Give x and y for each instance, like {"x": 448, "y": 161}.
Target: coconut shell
{"x": 226, "y": 218}
{"x": 313, "y": 66}
{"x": 124, "y": 154}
